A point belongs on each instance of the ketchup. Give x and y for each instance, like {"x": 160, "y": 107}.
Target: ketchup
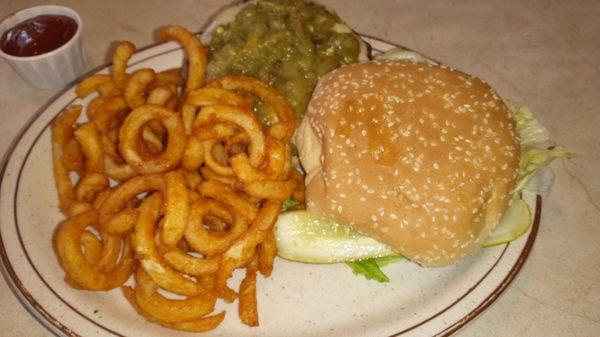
{"x": 38, "y": 35}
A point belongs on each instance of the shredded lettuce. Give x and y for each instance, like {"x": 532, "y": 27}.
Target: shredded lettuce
{"x": 371, "y": 268}
{"x": 533, "y": 160}
{"x": 402, "y": 54}
{"x": 532, "y": 134}
{"x": 541, "y": 182}
{"x": 289, "y": 203}
{"x": 530, "y": 130}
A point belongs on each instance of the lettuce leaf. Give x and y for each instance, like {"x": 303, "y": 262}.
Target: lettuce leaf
{"x": 541, "y": 182}
{"x": 532, "y": 134}
{"x": 289, "y": 203}
{"x": 371, "y": 268}
{"x": 530, "y": 130}
{"x": 533, "y": 160}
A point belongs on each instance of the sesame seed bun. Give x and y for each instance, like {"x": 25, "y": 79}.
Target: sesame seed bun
{"x": 421, "y": 157}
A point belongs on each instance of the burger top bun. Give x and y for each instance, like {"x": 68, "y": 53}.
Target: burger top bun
{"x": 421, "y": 157}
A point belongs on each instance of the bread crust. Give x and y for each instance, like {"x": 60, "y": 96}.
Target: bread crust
{"x": 421, "y": 157}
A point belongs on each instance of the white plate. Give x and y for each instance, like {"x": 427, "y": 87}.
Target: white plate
{"x": 297, "y": 300}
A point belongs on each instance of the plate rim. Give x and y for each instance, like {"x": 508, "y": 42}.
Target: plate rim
{"x": 56, "y": 327}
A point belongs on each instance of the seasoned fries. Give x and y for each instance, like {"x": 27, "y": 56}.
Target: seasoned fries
{"x": 178, "y": 184}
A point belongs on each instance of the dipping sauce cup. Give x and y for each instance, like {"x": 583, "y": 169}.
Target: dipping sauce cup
{"x": 53, "y": 68}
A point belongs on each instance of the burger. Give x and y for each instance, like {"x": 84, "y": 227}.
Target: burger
{"x": 420, "y": 157}
{"x": 402, "y": 156}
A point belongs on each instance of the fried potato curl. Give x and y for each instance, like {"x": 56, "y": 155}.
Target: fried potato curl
{"x": 172, "y": 182}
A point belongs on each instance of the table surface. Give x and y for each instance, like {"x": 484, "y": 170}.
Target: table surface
{"x": 540, "y": 53}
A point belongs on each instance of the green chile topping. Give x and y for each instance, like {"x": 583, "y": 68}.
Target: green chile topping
{"x": 286, "y": 43}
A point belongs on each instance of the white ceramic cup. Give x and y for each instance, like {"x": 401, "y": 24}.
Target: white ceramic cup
{"x": 52, "y": 69}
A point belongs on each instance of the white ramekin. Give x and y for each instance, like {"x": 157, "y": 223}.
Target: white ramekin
{"x": 54, "y": 68}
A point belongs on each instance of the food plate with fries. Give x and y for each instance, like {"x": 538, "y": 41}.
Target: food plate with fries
{"x": 142, "y": 270}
